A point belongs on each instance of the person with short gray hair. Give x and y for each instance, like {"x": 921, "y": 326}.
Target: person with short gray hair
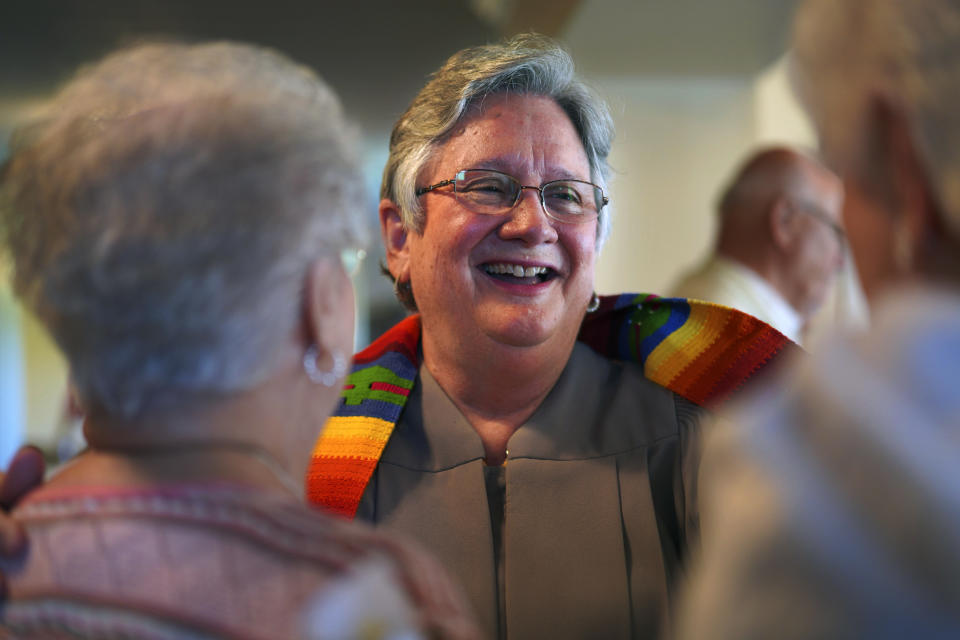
{"x": 526, "y": 64}
{"x": 148, "y": 167}
{"x": 556, "y": 481}
{"x": 177, "y": 219}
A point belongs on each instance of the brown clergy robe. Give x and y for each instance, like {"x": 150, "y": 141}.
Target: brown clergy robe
{"x": 586, "y": 524}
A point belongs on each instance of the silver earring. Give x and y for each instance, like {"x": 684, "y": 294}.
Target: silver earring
{"x": 594, "y": 303}
{"x": 326, "y": 378}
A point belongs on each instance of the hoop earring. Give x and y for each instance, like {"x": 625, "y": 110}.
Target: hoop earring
{"x": 326, "y": 378}
{"x": 594, "y": 303}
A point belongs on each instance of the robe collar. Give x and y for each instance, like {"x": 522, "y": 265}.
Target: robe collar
{"x": 702, "y": 351}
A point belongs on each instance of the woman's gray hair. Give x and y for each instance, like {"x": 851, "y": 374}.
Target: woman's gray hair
{"x": 845, "y": 52}
{"x": 526, "y": 64}
{"x": 162, "y": 213}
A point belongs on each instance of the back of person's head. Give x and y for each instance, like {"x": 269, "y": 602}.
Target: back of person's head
{"x": 525, "y": 64}
{"x": 850, "y": 53}
{"x": 163, "y": 211}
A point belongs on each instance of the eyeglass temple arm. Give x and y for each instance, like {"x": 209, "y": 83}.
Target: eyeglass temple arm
{"x": 423, "y": 190}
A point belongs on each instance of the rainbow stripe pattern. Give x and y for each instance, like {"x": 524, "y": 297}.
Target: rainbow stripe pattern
{"x": 699, "y": 350}
{"x": 350, "y": 445}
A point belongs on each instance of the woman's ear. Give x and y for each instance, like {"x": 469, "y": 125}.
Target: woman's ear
{"x": 328, "y": 306}
{"x": 394, "y": 234}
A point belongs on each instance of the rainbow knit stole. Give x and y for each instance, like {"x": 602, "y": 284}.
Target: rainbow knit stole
{"x": 701, "y": 351}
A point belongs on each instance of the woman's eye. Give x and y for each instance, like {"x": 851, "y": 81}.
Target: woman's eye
{"x": 564, "y": 193}
{"x": 491, "y": 186}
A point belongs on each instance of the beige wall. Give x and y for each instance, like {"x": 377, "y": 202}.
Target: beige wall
{"x": 45, "y": 383}
{"x": 675, "y": 142}
{"x": 779, "y": 118}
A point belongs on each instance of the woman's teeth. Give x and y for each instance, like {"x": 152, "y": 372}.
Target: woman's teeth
{"x": 515, "y": 270}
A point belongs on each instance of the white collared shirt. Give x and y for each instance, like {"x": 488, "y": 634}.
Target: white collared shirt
{"x": 730, "y": 283}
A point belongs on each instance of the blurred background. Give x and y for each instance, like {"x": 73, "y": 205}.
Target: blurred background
{"x": 693, "y": 86}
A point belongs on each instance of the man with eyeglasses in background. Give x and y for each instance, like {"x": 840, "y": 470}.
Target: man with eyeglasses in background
{"x": 780, "y": 242}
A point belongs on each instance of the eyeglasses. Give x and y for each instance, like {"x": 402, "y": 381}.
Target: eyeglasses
{"x": 819, "y": 214}
{"x": 491, "y": 192}
{"x": 352, "y": 260}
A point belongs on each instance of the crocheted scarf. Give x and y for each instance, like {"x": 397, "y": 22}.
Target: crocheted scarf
{"x": 699, "y": 350}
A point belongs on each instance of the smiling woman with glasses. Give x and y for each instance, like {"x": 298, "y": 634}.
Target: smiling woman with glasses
{"x": 549, "y": 474}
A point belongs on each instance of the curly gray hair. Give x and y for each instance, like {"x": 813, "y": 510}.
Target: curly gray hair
{"x": 162, "y": 213}
{"x": 526, "y": 64}
{"x": 847, "y": 51}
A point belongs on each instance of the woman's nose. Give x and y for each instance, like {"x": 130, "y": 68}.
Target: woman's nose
{"x": 529, "y": 220}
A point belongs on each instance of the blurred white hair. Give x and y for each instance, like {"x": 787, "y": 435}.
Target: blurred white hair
{"x": 162, "y": 213}
{"x": 845, "y": 52}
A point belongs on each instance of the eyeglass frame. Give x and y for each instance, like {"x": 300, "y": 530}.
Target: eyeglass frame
{"x": 453, "y": 181}
{"x": 816, "y": 212}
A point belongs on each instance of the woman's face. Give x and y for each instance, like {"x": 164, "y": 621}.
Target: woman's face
{"x": 457, "y": 265}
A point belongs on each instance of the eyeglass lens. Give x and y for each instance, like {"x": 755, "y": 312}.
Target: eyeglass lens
{"x": 494, "y": 192}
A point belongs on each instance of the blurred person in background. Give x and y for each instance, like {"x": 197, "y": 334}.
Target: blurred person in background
{"x": 780, "y": 242}
{"x": 176, "y": 220}
{"x": 554, "y": 477}
{"x": 834, "y": 503}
